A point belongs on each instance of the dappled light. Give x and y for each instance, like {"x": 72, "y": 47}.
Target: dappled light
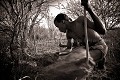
{"x": 30, "y": 41}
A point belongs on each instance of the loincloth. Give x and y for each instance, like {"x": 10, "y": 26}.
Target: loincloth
{"x": 100, "y": 45}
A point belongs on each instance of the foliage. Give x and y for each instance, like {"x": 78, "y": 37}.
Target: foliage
{"x": 113, "y": 56}
{"x": 74, "y": 8}
{"x": 108, "y": 10}
{"x": 22, "y": 34}
{"x": 17, "y": 19}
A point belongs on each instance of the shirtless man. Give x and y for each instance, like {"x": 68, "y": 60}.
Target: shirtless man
{"x": 75, "y": 30}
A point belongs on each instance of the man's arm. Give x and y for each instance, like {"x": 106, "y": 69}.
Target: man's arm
{"x": 97, "y": 25}
{"x": 62, "y": 45}
{"x": 68, "y": 45}
{"x": 68, "y": 49}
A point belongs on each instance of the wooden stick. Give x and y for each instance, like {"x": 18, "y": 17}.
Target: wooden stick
{"x": 86, "y": 35}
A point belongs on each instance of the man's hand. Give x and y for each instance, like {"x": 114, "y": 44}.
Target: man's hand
{"x": 85, "y": 3}
{"x": 61, "y": 45}
{"x": 65, "y": 52}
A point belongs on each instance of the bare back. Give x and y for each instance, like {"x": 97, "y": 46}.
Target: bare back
{"x": 77, "y": 31}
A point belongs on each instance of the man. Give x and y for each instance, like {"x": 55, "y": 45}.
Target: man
{"x": 75, "y": 30}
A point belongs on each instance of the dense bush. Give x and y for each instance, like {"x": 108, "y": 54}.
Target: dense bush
{"x": 113, "y": 58}
{"x": 112, "y": 63}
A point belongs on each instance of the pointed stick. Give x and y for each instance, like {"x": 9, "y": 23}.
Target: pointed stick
{"x": 86, "y": 35}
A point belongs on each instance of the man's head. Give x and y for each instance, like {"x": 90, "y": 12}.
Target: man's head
{"x": 60, "y": 21}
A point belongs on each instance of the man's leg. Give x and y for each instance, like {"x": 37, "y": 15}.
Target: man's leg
{"x": 100, "y": 64}
{"x": 99, "y": 59}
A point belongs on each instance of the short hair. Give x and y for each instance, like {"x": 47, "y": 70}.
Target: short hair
{"x": 61, "y": 17}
